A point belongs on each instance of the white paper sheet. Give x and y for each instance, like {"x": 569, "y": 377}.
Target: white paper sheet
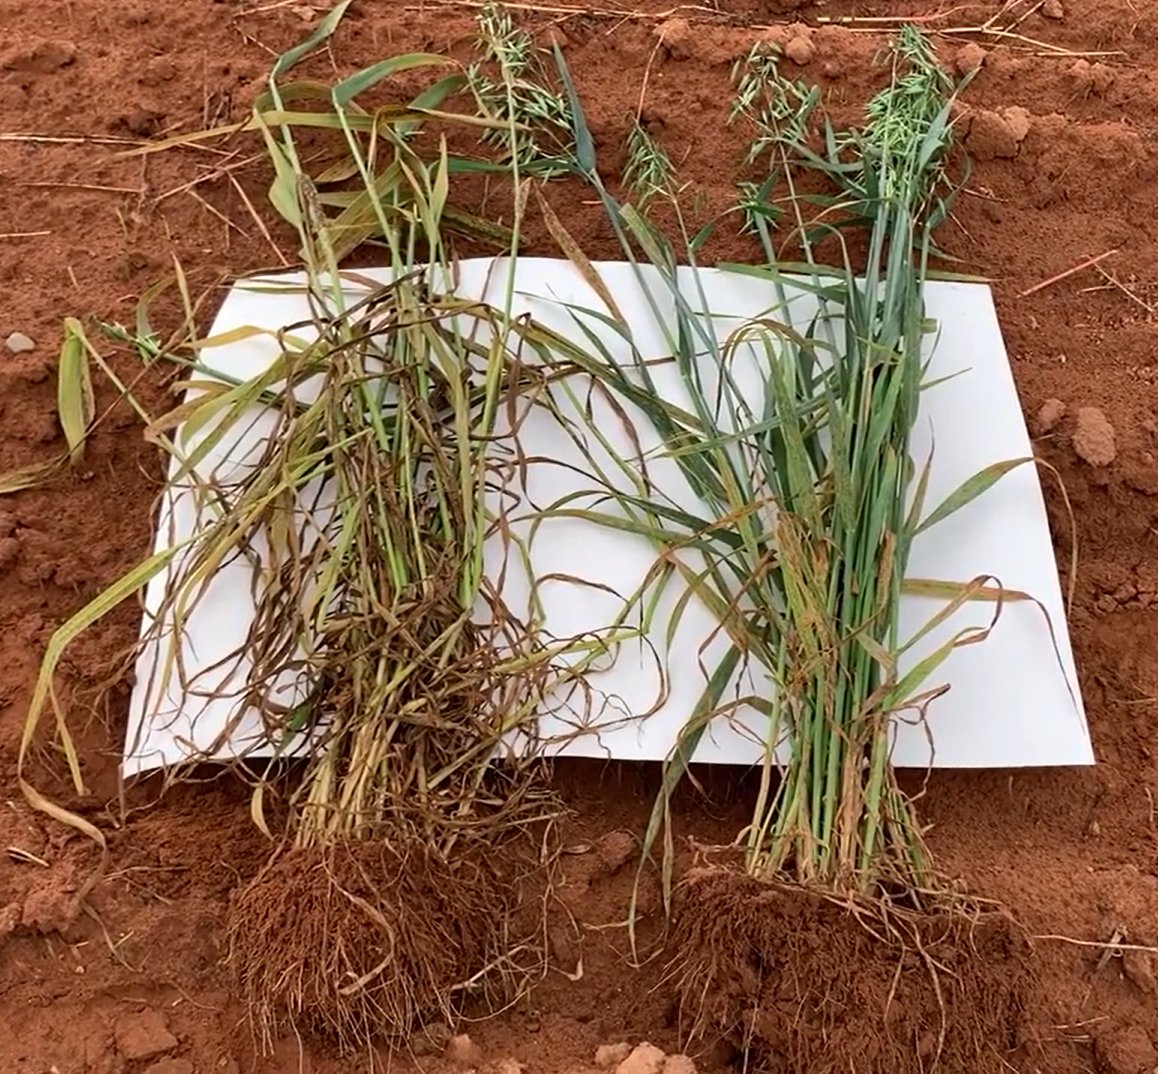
{"x": 1013, "y": 699}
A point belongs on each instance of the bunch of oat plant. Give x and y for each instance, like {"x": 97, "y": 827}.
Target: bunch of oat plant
{"x": 809, "y": 497}
{"x": 405, "y": 828}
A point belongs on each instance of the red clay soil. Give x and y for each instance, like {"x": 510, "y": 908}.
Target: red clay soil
{"x": 1065, "y": 145}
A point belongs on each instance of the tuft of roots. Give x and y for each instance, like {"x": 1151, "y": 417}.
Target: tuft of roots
{"x": 810, "y": 984}
{"x": 362, "y": 941}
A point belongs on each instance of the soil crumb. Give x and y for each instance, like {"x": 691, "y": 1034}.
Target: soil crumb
{"x": 608, "y": 1056}
{"x": 969, "y": 58}
{"x": 646, "y": 1059}
{"x": 1126, "y": 1050}
{"x": 463, "y": 1051}
{"x": 800, "y": 48}
{"x": 144, "y": 1036}
{"x": 1052, "y": 411}
{"x": 997, "y": 135}
{"x": 1094, "y": 440}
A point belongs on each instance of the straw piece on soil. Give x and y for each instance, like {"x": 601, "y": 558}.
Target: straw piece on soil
{"x": 1090, "y": 262}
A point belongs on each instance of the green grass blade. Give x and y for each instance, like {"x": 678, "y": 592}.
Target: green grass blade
{"x": 349, "y": 88}
{"x": 674, "y": 770}
{"x": 970, "y": 489}
{"x": 74, "y": 389}
{"x": 322, "y": 33}
{"x": 584, "y": 144}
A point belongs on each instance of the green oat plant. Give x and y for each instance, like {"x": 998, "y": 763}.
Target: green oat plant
{"x": 808, "y": 502}
{"x": 648, "y": 171}
{"x": 810, "y": 496}
{"x": 512, "y": 82}
{"x": 407, "y": 833}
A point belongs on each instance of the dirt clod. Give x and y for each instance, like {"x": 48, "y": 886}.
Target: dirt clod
{"x": 44, "y": 57}
{"x": 508, "y": 1065}
{"x": 644, "y": 1059}
{"x": 800, "y": 49}
{"x": 9, "y": 551}
{"x": 1018, "y": 121}
{"x": 969, "y": 58}
{"x": 996, "y": 135}
{"x": 1142, "y": 477}
{"x": 611, "y": 1055}
{"x": 49, "y": 908}
{"x": 463, "y": 1051}
{"x": 430, "y": 1039}
{"x": 615, "y": 850}
{"x": 143, "y": 122}
{"x": 1138, "y": 967}
{"x": 1052, "y": 9}
{"x": 1125, "y": 592}
{"x": 561, "y": 940}
{"x": 679, "y": 1064}
{"x": 1125, "y": 1050}
{"x": 9, "y": 918}
{"x": 677, "y": 37}
{"x": 1094, "y": 440}
{"x": 143, "y": 1036}
{"x": 1051, "y": 412}
{"x": 1092, "y": 78}
{"x": 158, "y": 70}
{"x": 171, "y": 1066}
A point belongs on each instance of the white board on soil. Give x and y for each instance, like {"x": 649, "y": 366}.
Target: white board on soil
{"x": 1013, "y": 700}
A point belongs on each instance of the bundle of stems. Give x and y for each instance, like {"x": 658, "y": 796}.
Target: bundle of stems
{"x": 837, "y": 814}
{"x": 363, "y": 507}
{"x": 365, "y": 514}
{"x": 808, "y": 496}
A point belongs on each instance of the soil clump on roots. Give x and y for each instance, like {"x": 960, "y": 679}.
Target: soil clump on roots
{"x": 359, "y": 940}
{"x": 804, "y": 981}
